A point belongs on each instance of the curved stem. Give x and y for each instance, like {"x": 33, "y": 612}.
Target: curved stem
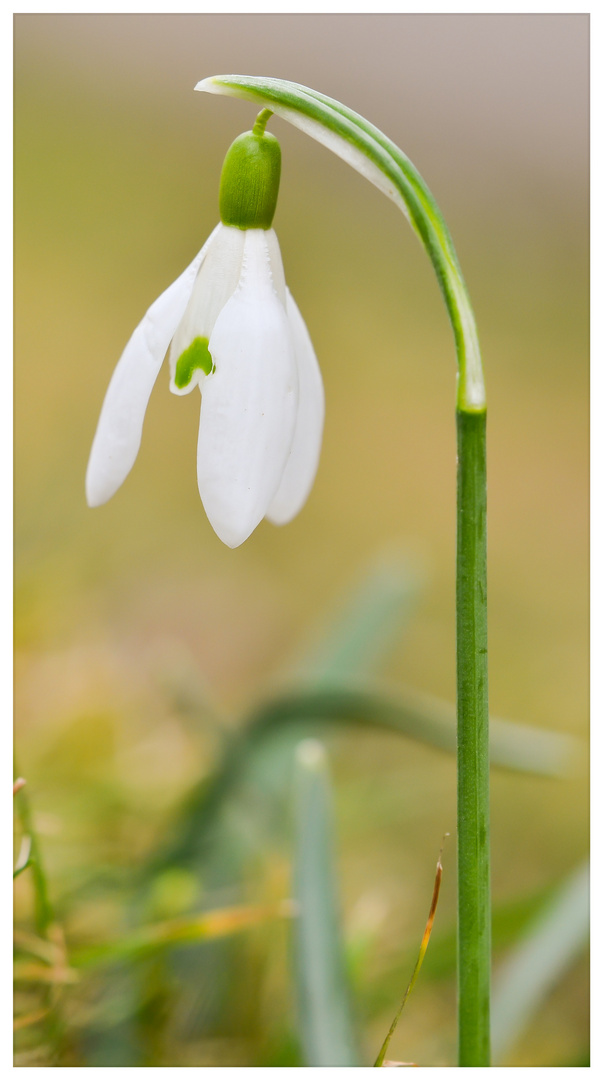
{"x": 375, "y": 156}
{"x": 370, "y": 152}
{"x": 261, "y": 120}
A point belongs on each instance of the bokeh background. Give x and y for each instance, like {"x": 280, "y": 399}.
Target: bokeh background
{"x": 127, "y": 614}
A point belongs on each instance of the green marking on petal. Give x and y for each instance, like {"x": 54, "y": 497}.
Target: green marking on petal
{"x": 196, "y": 356}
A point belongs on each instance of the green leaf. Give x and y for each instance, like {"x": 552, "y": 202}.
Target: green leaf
{"x": 360, "y": 632}
{"x": 206, "y": 926}
{"x": 24, "y": 857}
{"x": 552, "y": 942}
{"x": 351, "y": 641}
{"x": 326, "y": 1025}
{"x": 405, "y": 712}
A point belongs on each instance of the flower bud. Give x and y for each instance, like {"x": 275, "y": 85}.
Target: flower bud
{"x": 249, "y": 181}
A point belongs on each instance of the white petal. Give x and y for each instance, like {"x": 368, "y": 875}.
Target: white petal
{"x": 302, "y": 464}
{"x": 117, "y": 439}
{"x": 249, "y": 404}
{"x": 215, "y": 283}
{"x": 276, "y": 266}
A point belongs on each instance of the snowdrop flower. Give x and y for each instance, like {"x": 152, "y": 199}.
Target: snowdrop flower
{"x": 233, "y": 330}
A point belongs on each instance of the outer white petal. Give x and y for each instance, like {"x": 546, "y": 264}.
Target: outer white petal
{"x": 117, "y": 439}
{"x": 214, "y": 285}
{"x": 302, "y": 464}
{"x": 249, "y": 404}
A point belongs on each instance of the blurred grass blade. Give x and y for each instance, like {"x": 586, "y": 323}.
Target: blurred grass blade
{"x": 32, "y": 972}
{"x": 509, "y": 923}
{"x": 372, "y": 705}
{"x": 205, "y": 927}
{"x": 23, "y": 858}
{"x": 365, "y": 626}
{"x": 410, "y": 713}
{"x": 422, "y": 950}
{"x": 326, "y": 1026}
{"x": 43, "y": 913}
{"x": 35, "y": 946}
{"x": 536, "y": 750}
{"x": 29, "y": 1019}
{"x": 553, "y": 940}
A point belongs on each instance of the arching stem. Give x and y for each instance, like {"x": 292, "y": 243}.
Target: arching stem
{"x": 375, "y": 156}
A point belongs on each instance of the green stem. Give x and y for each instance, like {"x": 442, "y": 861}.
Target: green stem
{"x": 375, "y": 156}
{"x": 473, "y": 822}
{"x": 261, "y": 120}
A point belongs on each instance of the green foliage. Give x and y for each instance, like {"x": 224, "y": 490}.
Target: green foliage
{"x": 326, "y": 1027}
{"x": 178, "y": 953}
{"x": 550, "y": 944}
{"x": 276, "y": 726}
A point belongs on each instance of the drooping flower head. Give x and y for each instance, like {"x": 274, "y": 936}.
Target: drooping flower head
{"x": 232, "y": 329}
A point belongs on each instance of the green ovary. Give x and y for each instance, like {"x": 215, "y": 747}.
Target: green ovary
{"x": 196, "y": 356}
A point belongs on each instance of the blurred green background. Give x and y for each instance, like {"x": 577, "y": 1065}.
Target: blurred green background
{"x": 125, "y": 612}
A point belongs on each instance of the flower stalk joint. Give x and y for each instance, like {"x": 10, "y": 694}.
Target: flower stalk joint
{"x": 250, "y": 180}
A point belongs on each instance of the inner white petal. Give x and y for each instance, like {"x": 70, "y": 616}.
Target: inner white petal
{"x": 276, "y": 266}
{"x": 216, "y": 282}
{"x": 249, "y": 405}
